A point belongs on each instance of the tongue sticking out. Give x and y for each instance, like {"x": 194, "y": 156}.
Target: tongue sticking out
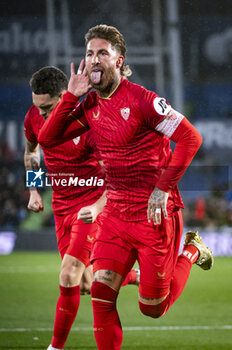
{"x": 96, "y": 77}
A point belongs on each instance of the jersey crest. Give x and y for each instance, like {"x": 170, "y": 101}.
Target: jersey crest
{"x": 125, "y": 112}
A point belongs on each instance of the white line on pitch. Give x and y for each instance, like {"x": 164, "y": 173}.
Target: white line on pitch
{"x": 145, "y": 328}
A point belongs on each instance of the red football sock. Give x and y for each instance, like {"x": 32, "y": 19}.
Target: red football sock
{"x": 131, "y": 278}
{"x": 107, "y": 325}
{"x": 66, "y": 311}
{"x": 191, "y": 252}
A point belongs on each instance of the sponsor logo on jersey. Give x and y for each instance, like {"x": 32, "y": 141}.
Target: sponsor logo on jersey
{"x": 160, "y": 106}
{"x": 76, "y": 140}
{"x": 96, "y": 116}
{"x": 161, "y": 275}
{"x": 35, "y": 178}
{"x": 90, "y": 239}
{"x": 125, "y": 112}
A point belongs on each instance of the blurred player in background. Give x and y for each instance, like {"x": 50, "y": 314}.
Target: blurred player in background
{"x": 75, "y": 233}
{"x": 142, "y": 217}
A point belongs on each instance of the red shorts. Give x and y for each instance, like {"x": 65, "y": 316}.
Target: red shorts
{"x": 74, "y": 237}
{"x": 119, "y": 243}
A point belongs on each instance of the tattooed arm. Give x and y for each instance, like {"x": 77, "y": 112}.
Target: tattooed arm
{"x": 157, "y": 203}
{"x": 32, "y": 162}
{"x": 31, "y": 156}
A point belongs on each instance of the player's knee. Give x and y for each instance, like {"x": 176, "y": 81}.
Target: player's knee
{"x": 66, "y": 277}
{"x": 149, "y": 310}
{"x": 70, "y": 275}
{"x": 154, "y": 311}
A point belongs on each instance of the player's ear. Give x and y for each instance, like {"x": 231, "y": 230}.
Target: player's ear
{"x": 119, "y": 61}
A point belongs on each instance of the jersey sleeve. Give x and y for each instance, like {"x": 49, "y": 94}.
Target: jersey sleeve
{"x": 65, "y": 122}
{"x": 188, "y": 141}
{"x": 162, "y": 118}
{"x": 158, "y": 114}
{"x": 28, "y": 130}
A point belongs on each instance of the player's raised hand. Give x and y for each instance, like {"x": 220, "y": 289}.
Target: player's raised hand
{"x": 157, "y": 204}
{"x": 35, "y": 201}
{"x": 79, "y": 82}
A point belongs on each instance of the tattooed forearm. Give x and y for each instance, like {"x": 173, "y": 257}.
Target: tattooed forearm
{"x": 157, "y": 195}
{"x": 35, "y": 163}
{"x": 32, "y": 162}
{"x": 157, "y": 202}
{"x": 32, "y": 156}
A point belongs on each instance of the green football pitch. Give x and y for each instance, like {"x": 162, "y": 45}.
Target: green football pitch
{"x": 200, "y": 319}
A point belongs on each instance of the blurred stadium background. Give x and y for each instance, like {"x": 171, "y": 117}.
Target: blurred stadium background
{"x": 182, "y": 49}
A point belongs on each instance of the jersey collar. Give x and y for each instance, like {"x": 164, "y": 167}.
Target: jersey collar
{"x": 112, "y": 92}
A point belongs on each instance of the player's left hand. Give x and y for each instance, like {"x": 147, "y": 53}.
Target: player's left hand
{"x": 79, "y": 82}
{"x": 88, "y": 214}
{"x": 157, "y": 204}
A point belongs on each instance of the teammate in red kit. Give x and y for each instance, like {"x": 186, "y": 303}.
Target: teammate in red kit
{"x": 75, "y": 157}
{"x": 142, "y": 218}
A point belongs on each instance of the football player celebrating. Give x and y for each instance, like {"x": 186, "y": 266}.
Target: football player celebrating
{"x": 142, "y": 217}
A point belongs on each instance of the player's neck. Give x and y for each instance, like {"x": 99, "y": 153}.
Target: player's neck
{"x": 110, "y": 90}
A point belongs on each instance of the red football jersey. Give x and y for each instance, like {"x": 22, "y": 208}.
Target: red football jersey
{"x": 132, "y": 128}
{"x": 76, "y": 159}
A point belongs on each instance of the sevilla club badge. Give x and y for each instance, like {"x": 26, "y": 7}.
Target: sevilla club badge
{"x": 125, "y": 112}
